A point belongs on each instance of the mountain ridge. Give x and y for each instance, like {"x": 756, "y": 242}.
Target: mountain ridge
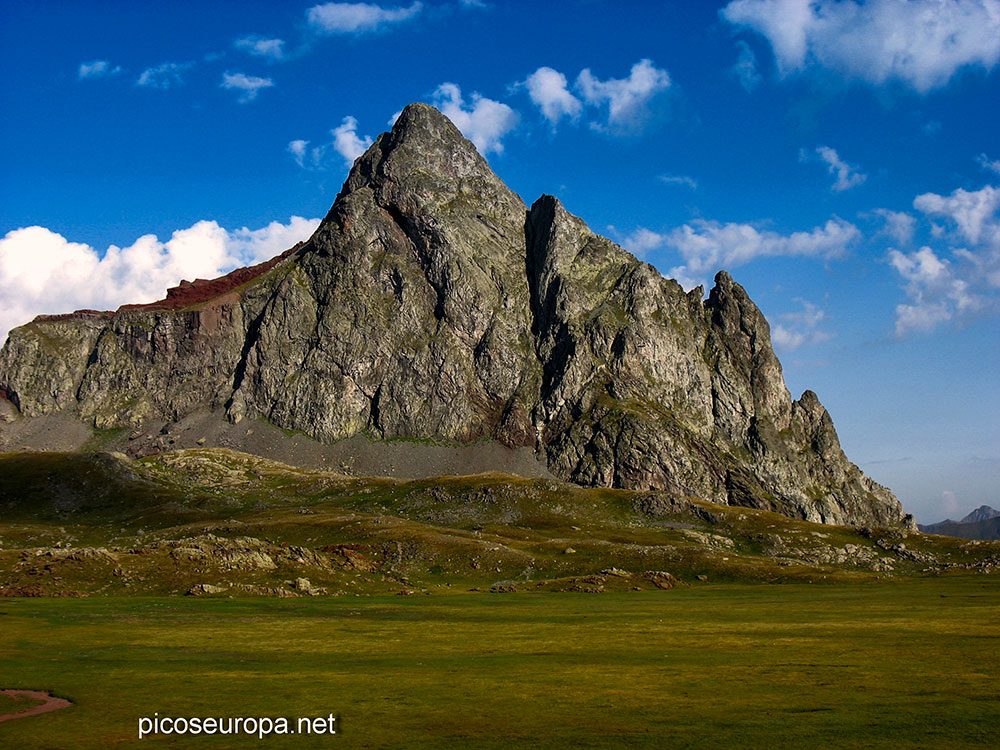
{"x": 982, "y": 523}
{"x": 432, "y": 303}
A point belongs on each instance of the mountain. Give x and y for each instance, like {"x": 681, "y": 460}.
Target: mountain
{"x": 982, "y": 513}
{"x": 982, "y": 523}
{"x": 432, "y": 304}
{"x": 988, "y": 528}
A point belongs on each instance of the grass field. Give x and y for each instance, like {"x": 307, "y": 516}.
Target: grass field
{"x": 909, "y": 663}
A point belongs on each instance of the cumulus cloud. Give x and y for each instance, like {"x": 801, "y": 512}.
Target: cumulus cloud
{"x": 345, "y": 142}
{"x": 257, "y": 245}
{"x": 940, "y": 288}
{"x": 745, "y": 68}
{"x": 357, "y": 18}
{"x": 801, "y": 328}
{"x": 898, "y": 224}
{"x": 627, "y": 99}
{"x": 640, "y": 242}
{"x": 785, "y": 340}
{"x": 920, "y": 43}
{"x": 97, "y": 69}
{"x": 248, "y": 86}
{"x": 548, "y": 91}
{"x": 935, "y": 291}
{"x": 845, "y": 175}
{"x": 707, "y": 246}
{"x": 42, "y": 272}
{"x": 483, "y": 121}
{"x": 973, "y": 212}
{"x": 164, "y": 76}
{"x": 272, "y": 49}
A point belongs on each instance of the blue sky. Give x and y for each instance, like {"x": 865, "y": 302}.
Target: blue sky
{"x": 841, "y": 159}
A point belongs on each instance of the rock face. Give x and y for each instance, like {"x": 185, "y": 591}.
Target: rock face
{"x": 432, "y": 303}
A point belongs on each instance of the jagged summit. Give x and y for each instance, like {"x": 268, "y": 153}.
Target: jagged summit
{"x": 432, "y": 303}
{"x": 424, "y": 141}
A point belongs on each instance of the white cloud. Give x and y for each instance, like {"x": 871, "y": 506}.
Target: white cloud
{"x": 898, "y": 224}
{"x": 935, "y": 291}
{"x": 984, "y": 161}
{"x": 679, "y": 179}
{"x": 355, "y": 18}
{"x": 785, "y": 340}
{"x": 845, "y": 175}
{"x": 627, "y": 98}
{"x": 921, "y": 43}
{"x": 257, "y": 245}
{"x": 98, "y": 69}
{"x": 484, "y": 122}
{"x": 298, "y": 149}
{"x": 745, "y": 68}
{"x": 640, "y": 242}
{"x": 163, "y": 76}
{"x": 800, "y": 328}
{"x": 42, "y": 272}
{"x": 708, "y": 245}
{"x": 272, "y": 49}
{"x": 547, "y": 89}
{"x": 973, "y": 211}
{"x": 249, "y": 86}
{"x": 346, "y": 142}
{"x": 941, "y": 289}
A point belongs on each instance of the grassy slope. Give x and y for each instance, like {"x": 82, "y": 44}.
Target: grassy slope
{"x": 896, "y": 665}
{"x": 376, "y": 535}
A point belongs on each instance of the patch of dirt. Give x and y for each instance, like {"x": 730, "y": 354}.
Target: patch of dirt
{"x": 49, "y": 703}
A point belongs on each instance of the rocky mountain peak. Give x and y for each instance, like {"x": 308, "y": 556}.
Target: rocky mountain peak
{"x": 432, "y": 304}
{"x": 982, "y": 513}
{"x": 425, "y": 164}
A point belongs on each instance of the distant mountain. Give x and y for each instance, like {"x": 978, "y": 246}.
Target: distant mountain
{"x": 987, "y": 528}
{"x": 982, "y": 513}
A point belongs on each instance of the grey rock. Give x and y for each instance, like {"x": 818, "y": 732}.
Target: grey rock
{"x": 202, "y": 589}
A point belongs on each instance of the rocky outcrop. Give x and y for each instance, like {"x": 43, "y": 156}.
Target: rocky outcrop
{"x": 432, "y": 303}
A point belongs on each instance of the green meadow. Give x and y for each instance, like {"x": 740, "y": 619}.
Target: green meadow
{"x": 907, "y": 663}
